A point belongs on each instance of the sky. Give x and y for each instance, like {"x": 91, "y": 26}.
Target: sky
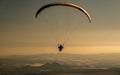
{"x": 22, "y": 34}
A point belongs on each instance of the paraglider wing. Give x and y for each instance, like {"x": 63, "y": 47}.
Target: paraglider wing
{"x": 64, "y": 4}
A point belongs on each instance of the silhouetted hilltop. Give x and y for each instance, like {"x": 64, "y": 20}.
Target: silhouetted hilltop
{"x": 54, "y": 66}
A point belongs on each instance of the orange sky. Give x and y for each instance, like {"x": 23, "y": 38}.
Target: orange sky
{"x": 21, "y": 33}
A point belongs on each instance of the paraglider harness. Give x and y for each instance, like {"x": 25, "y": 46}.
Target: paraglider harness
{"x": 60, "y": 47}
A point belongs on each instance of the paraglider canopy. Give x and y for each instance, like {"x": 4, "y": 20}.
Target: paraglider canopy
{"x": 64, "y": 4}
{"x": 60, "y": 46}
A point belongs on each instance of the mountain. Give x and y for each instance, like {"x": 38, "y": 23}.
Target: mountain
{"x": 54, "y": 66}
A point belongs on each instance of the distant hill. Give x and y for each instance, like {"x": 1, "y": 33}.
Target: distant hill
{"x": 54, "y": 66}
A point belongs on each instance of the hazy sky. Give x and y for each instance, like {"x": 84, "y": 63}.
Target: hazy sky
{"x": 21, "y": 33}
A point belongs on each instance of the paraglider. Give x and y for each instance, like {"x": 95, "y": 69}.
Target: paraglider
{"x": 60, "y": 47}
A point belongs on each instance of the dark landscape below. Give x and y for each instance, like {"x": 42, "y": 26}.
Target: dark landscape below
{"x": 60, "y": 64}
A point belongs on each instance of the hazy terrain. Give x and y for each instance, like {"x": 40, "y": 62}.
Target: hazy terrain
{"x": 60, "y": 64}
